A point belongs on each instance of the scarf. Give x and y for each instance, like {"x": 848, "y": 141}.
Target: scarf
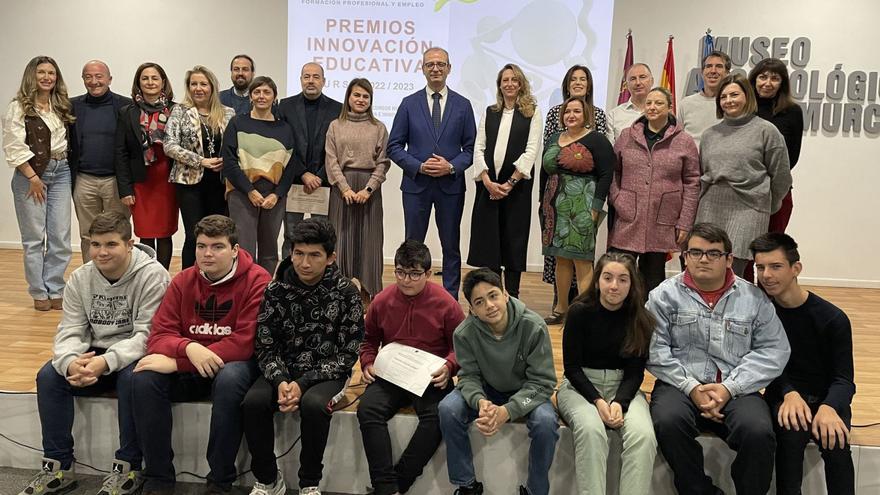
{"x": 153, "y": 118}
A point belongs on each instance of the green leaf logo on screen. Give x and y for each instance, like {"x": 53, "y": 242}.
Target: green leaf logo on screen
{"x": 441, "y": 3}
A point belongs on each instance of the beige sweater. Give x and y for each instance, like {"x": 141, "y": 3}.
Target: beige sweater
{"x": 356, "y": 143}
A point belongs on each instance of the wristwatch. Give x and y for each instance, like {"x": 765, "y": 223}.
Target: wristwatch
{"x": 451, "y": 169}
{"x": 512, "y": 181}
{"x": 369, "y": 189}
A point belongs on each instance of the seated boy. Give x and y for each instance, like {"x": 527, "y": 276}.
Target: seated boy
{"x": 108, "y": 305}
{"x": 418, "y": 313}
{"x": 200, "y": 348}
{"x": 310, "y": 326}
{"x": 506, "y": 373}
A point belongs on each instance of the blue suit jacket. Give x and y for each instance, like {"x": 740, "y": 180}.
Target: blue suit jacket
{"x": 413, "y": 140}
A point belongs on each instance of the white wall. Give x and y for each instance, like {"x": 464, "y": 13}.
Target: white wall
{"x": 834, "y": 198}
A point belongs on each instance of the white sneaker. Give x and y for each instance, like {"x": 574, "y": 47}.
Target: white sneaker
{"x": 277, "y": 488}
{"x": 121, "y": 480}
{"x": 312, "y": 490}
{"x": 51, "y": 480}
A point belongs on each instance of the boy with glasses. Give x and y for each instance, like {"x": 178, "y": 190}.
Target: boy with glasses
{"x": 717, "y": 343}
{"x": 421, "y": 314}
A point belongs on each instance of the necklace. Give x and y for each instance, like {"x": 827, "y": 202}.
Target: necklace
{"x": 210, "y": 134}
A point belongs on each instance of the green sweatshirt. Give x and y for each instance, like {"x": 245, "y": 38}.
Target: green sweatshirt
{"x": 519, "y": 362}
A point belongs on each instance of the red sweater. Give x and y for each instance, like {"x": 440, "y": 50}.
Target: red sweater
{"x": 221, "y": 317}
{"x": 425, "y": 321}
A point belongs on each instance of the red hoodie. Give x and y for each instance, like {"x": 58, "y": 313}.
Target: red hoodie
{"x": 221, "y": 317}
{"x": 425, "y": 321}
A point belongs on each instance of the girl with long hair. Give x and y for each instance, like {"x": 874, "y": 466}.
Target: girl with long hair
{"x": 604, "y": 351}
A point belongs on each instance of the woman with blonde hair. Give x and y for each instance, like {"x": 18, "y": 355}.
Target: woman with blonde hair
{"x": 505, "y": 151}
{"x": 356, "y": 166}
{"x": 35, "y": 143}
{"x": 142, "y": 167}
{"x": 193, "y": 138}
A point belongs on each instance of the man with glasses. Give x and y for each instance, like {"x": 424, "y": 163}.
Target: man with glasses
{"x": 432, "y": 140}
{"x": 417, "y": 313}
{"x": 718, "y": 341}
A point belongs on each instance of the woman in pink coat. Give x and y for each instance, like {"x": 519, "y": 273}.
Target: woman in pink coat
{"x": 656, "y": 187}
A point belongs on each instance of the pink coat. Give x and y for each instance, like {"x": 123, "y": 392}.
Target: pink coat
{"x": 653, "y": 192}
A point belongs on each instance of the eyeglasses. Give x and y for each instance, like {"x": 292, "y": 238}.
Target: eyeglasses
{"x": 403, "y": 274}
{"x": 438, "y": 65}
{"x": 711, "y": 255}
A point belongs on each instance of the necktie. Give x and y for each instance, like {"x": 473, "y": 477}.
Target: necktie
{"x": 435, "y": 111}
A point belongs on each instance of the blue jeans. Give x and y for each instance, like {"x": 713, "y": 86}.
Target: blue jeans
{"x": 45, "y": 230}
{"x": 455, "y": 418}
{"x": 153, "y": 395}
{"x": 55, "y": 404}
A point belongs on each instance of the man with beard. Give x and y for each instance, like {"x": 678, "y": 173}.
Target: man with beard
{"x": 309, "y": 113}
{"x": 242, "y": 73}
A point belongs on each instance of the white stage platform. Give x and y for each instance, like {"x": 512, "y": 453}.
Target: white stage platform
{"x": 501, "y": 463}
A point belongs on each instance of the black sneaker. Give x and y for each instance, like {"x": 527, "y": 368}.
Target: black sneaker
{"x": 475, "y": 488}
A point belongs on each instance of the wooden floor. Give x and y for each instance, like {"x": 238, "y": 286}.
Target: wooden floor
{"x": 26, "y": 336}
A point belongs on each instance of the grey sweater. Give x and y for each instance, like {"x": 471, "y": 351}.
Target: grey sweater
{"x": 115, "y": 317}
{"x": 749, "y": 155}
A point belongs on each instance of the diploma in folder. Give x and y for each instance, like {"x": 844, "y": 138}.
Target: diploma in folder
{"x": 407, "y": 367}
{"x": 299, "y": 202}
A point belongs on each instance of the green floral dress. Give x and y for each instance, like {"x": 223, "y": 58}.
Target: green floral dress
{"x": 579, "y": 178}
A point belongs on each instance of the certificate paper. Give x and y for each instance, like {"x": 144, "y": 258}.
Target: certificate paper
{"x": 407, "y": 367}
{"x": 299, "y": 202}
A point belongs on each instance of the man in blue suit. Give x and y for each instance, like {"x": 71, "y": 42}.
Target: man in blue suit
{"x": 432, "y": 140}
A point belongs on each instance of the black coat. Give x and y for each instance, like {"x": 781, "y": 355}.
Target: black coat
{"x": 130, "y": 166}
{"x": 293, "y": 111}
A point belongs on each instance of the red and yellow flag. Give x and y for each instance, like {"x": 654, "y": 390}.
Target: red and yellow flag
{"x": 667, "y": 80}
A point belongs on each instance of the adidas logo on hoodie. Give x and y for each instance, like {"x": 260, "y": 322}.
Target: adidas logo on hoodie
{"x": 210, "y": 329}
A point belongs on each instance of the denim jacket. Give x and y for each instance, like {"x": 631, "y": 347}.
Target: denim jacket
{"x": 741, "y": 336}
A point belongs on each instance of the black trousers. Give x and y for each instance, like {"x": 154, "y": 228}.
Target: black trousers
{"x": 747, "y": 429}
{"x": 511, "y": 280}
{"x": 380, "y": 402}
{"x": 652, "y": 266}
{"x": 258, "y": 408}
{"x": 196, "y": 202}
{"x": 839, "y": 472}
